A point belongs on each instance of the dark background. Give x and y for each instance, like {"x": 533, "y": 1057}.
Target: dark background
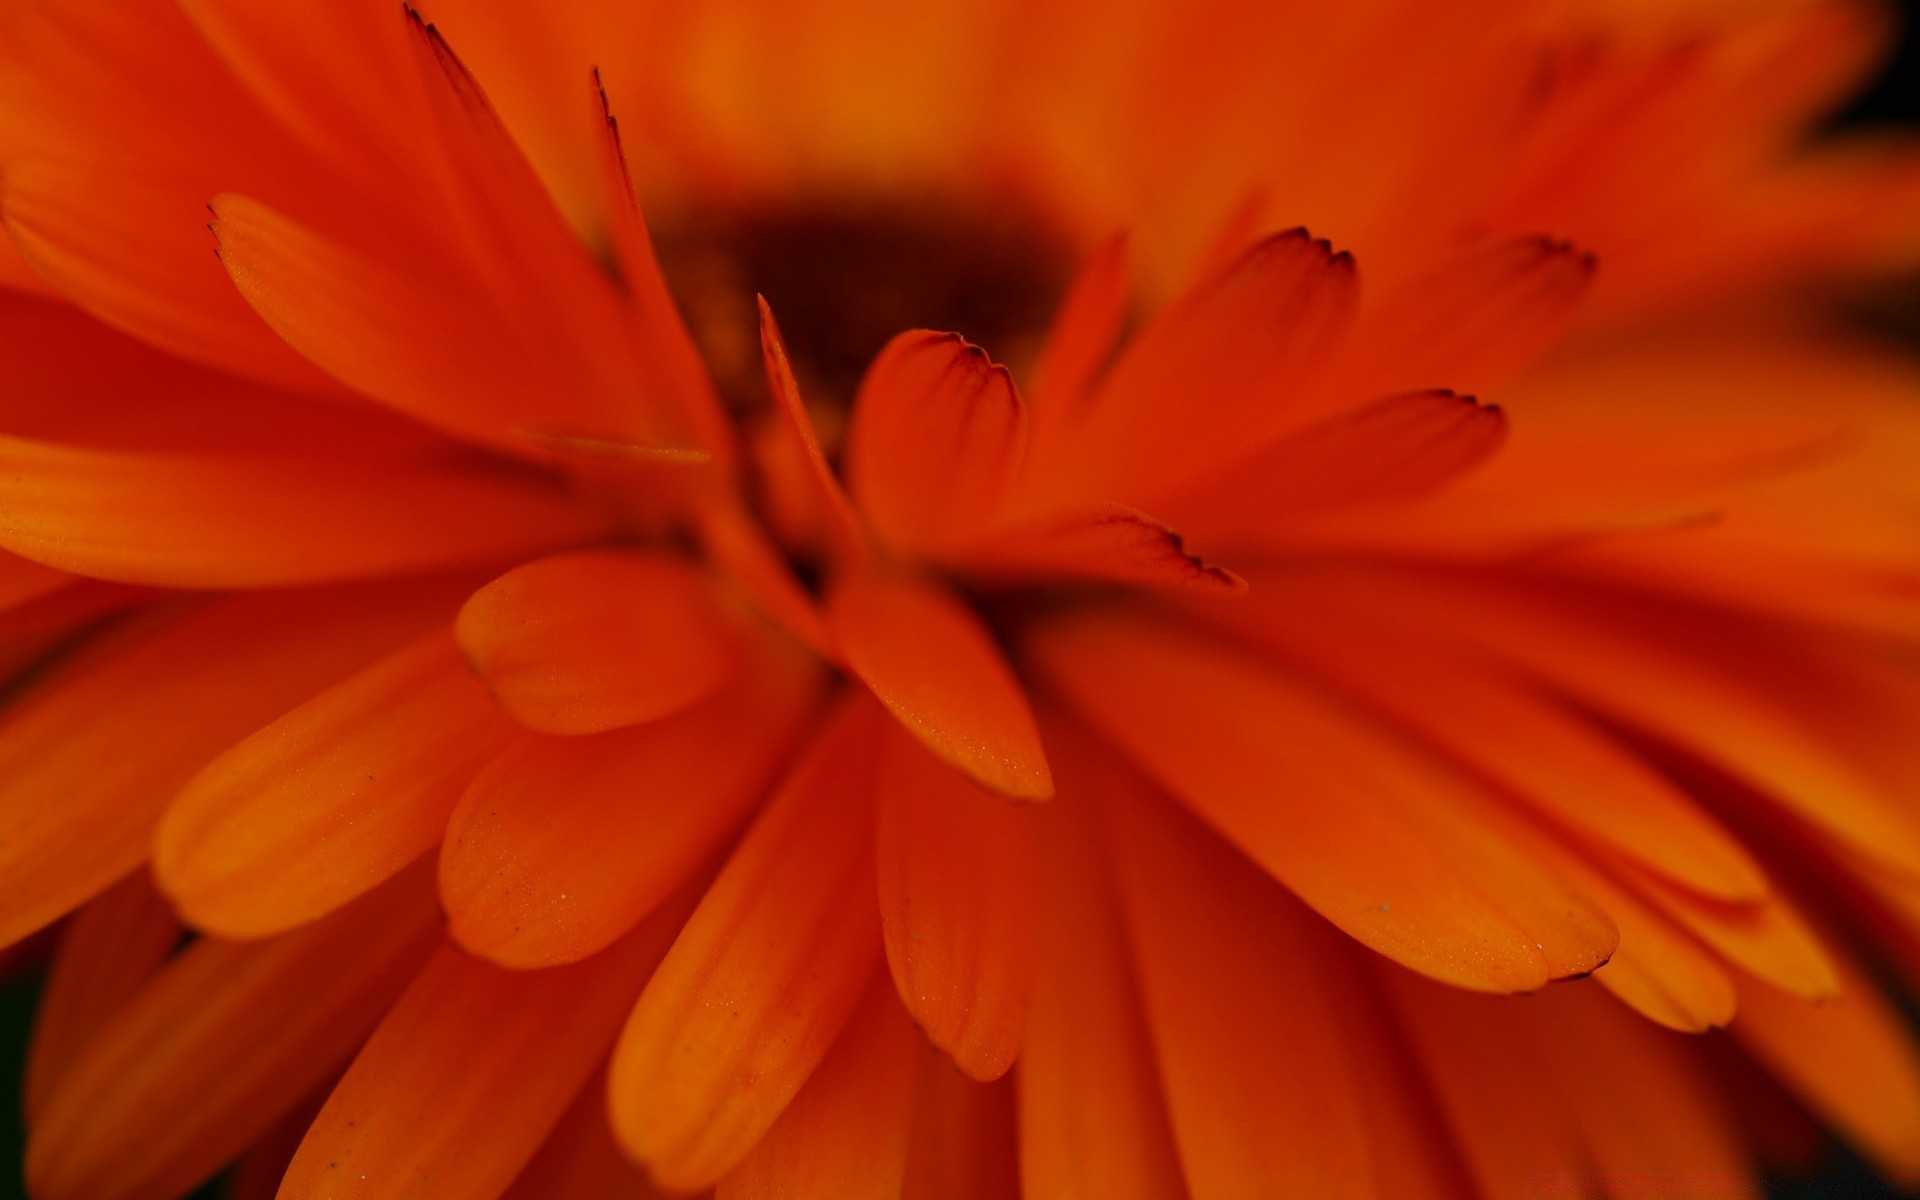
{"x": 1893, "y": 99}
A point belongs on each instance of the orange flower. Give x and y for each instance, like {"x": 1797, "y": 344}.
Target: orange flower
{"x": 590, "y": 731}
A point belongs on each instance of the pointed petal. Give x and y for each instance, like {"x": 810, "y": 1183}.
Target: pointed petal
{"x": 937, "y": 437}
{"x": 1210, "y": 377}
{"x": 931, "y": 660}
{"x": 1474, "y": 321}
{"x": 763, "y": 976}
{"x": 107, "y": 951}
{"x": 218, "y": 1046}
{"x": 1228, "y": 967}
{"x": 597, "y": 639}
{"x": 412, "y": 335}
{"x": 846, "y": 536}
{"x": 1388, "y": 844}
{"x": 133, "y": 252}
{"x": 1106, "y": 544}
{"x": 1084, "y": 334}
{"x": 1391, "y": 451}
{"x": 469, "y": 1071}
{"x": 332, "y": 798}
{"x": 958, "y": 892}
{"x": 845, "y": 1134}
{"x": 1092, "y": 1118}
{"x": 120, "y": 726}
{"x": 561, "y": 844}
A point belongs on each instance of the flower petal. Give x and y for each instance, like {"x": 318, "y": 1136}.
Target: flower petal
{"x": 931, "y": 660}
{"x": 107, "y": 952}
{"x": 580, "y": 1157}
{"x": 1105, "y": 544}
{"x": 1391, "y": 451}
{"x": 1228, "y": 967}
{"x": 133, "y": 252}
{"x": 222, "y": 1043}
{"x": 471, "y": 1068}
{"x": 1544, "y": 753}
{"x": 90, "y": 758}
{"x": 1472, "y": 322}
{"x": 1851, "y": 1059}
{"x": 597, "y": 639}
{"x": 332, "y": 798}
{"x": 1092, "y": 1118}
{"x": 1388, "y": 844}
{"x": 561, "y": 844}
{"x": 937, "y": 437}
{"x": 1209, "y": 378}
{"x": 958, "y": 893}
{"x": 765, "y": 973}
{"x": 1084, "y": 334}
{"x": 846, "y": 1132}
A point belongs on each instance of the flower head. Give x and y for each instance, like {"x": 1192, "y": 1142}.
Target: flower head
{"x": 627, "y": 699}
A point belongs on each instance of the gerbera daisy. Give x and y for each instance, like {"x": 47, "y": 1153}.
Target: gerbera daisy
{"x": 604, "y": 733}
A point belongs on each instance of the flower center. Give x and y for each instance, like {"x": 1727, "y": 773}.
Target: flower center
{"x": 844, "y": 279}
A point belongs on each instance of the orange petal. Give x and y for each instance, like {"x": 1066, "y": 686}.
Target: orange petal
{"x": 1107, "y": 544}
{"x": 1391, "y": 451}
{"x": 414, "y": 337}
{"x": 1592, "y": 1052}
{"x": 957, "y": 898}
{"x": 22, "y": 581}
{"x": 331, "y": 799}
{"x": 470, "y": 1070}
{"x": 846, "y": 536}
{"x": 593, "y": 640}
{"x": 223, "y": 1042}
{"x": 937, "y": 435}
{"x": 846, "y": 1132}
{"x": 1474, "y": 321}
{"x": 133, "y": 252}
{"x": 1768, "y": 936}
{"x": 1659, "y": 970}
{"x": 298, "y": 515}
{"x": 1209, "y": 378}
{"x": 1092, "y": 1119}
{"x": 1503, "y": 1118}
{"x": 934, "y": 664}
{"x": 1084, "y": 334}
{"x": 1386, "y": 843}
{"x": 1228, "y": 966}
{"x": 1543, "y": 752}
{"x": 668, "y": 346}
{"x": 107, "y": 952}
{"x": 764, "y": 974}
{"x": 1655, "y": 678}
{"x": 740, "y": 549}
{"x": 964, "y": 1145}
{"x": 1852, "y": 1059}
{"x": 30, "y": 631}
{"x": 561, "y": 844}
{"x": 580, "y": 1157}
{"x": 90, "y": 758}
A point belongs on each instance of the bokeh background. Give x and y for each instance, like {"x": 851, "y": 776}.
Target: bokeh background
{"x": 1893, "y": 99}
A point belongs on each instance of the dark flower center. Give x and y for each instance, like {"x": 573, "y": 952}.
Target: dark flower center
{"x": 843, "y": 280}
